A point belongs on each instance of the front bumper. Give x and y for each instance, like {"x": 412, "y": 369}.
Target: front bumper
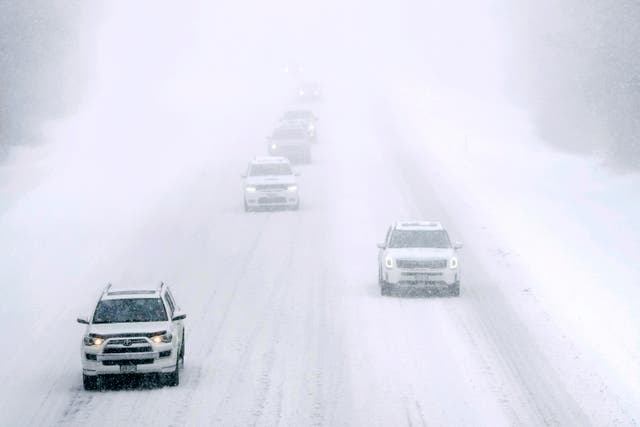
{"x": 162, "y": 359}
{"x": 428, "y": 278}
{"x": 271, "y": 198}
{"x": 298, "y": 153}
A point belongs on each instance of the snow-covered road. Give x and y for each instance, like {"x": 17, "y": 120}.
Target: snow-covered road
{"x": 285, "y": 323}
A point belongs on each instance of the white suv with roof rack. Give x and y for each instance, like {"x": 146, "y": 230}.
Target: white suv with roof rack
{"x": 270, "y": 182}
{"x": 133, "y": 332}
{"x": 418, "y": 255}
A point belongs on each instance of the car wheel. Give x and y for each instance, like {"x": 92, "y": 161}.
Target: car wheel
{"x": 455, "y": 289}
{"x": 385, "y": 289}
{"x": 184, "y": 338}
{"x": 173, "y": 379}
{"x": 90, "y": 382}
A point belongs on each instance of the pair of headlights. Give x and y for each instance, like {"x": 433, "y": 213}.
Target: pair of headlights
{"x": 252, "y": 189}
{"x": 93, "y": 340}
{"x": 453, "y": 262}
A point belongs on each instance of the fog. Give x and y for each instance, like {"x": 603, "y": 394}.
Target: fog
{"x": 126, "y": 127}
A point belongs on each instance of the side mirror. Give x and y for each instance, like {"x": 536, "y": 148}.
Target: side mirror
{"x": 179, "y": 316}
{"x": 457, "y": 245}
{"x": 381, "y": 246}
{"x": 83, "y": 320}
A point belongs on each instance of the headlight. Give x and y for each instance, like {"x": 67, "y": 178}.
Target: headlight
{"x": 301, "y": 93}
{"x": 292, "y": 187}
{"x": 453, "y": 263}
{"x": 388, "y": 262}
{"x": 250, "y": 189}
{"x": 90, "y": 340}
{"x": 164, "y": 338}
{"x": 312, "y": 126}
{"x": 274, "y": 146}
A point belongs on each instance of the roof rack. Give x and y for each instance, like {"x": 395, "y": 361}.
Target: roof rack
{"x": 106, "y": 288}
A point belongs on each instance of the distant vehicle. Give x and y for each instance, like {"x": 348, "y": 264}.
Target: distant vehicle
{"x": 291, "y": 141}
{"x": 136, "y": 331}
{"x": 309, "y": 91}
{"x": 293, "y": 68}
{"x": 301, "y": 118}
{"x": 270, "y": 182}
{"x": 418, "y": 255}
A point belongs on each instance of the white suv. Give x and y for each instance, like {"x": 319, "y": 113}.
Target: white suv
{"x": 270, "y": 182}
{"x": 418, "y": 255}
{"x": 133, "y": 331}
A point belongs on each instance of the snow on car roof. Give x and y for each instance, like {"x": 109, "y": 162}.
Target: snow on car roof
{"x": 133, "y": 292}
{"x": 418, "y": 225}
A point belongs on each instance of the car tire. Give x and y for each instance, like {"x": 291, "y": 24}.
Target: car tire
{"x": 455, "y": 289}
{"x": 385, "y": 289}
{"x": 90, "y": 382}
{"x": 181, "y": 354}
{"x": 173, "y": 379}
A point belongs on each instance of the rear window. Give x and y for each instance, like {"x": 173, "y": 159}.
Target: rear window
{"x": 130, "y": 310}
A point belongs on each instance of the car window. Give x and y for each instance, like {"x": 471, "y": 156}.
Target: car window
{"x": 419, "y": 239}
{"x": 130, "y": 310}
{"x": 270, "y": 169}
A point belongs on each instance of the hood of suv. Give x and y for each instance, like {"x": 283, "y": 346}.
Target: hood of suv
{"x": 128, "y": 328}
{"x": 271, "y": 179}
{"x": 421, "y": 253}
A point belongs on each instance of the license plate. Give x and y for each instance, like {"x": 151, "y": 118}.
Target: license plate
{"x": 128, "y": 369}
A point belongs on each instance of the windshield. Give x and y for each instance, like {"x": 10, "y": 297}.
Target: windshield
{"x": 419, "y": 239}
{"x": 130, "y": 310}
{"x": 270, "y": 169}
{"x": 289, "y": 133}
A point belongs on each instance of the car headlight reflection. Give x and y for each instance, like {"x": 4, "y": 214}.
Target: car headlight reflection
{"x": 388, "y": 262}
{"x": 164, "y": 338}
{"x": 292, "y": 187}
{"x": 274, "y": 146}
{"x": 250, "y": 189}
{"x": 453, "y": 263}
{"x": 90, "y": 340}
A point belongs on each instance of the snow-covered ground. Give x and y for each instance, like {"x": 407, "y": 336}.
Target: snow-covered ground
{"x": 285, "y": 321}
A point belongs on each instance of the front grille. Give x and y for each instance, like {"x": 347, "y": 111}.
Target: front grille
{"x": 271, "y": 187}
{"x": 272, "y": 200}
{"x": 127, "y": 362}
{"x": 423, "y": 282}
{"x": 112, "y": 350}
{"x": 421, "y": 263}
{"x": 128, "y": 341}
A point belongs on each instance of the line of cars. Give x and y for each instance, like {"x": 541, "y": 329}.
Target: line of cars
{"x": 270, "y": 181}
{"x": 141, "y": 330}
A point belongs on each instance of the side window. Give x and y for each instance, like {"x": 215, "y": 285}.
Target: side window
{"x": 172, "y": 306}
